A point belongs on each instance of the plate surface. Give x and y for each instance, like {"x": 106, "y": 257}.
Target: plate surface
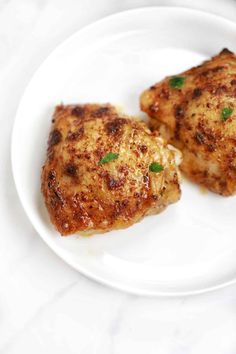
{"x": 190, "y": 247}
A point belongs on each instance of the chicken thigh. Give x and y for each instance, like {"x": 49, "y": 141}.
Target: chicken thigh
{"x": 196, "y": 112}
{"x": 105, "y": 170}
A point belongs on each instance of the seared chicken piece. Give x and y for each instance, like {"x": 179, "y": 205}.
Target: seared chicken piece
{"x": 105, "y": 170}
{"x": 196, "y": 112}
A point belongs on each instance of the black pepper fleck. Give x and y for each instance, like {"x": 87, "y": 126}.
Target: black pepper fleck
{"x": 54, "y": 138}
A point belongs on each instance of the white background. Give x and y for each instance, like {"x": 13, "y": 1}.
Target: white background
{"x": 45, "y": 306}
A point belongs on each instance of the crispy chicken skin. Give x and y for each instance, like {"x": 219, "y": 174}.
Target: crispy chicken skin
{"x": 198, "y": 115}
{"x": 85, "y": 194}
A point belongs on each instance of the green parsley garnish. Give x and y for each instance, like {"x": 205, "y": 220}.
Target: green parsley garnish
{"x": 226, "y": 113}
{"x": 156, "y": 167}
{"x": 177, "y": 81}
{"x": 108, "y": 157}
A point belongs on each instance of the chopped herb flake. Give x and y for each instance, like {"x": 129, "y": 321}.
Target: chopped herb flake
{"x": 156, "y": 167}
{"x": 176, "y": 81}
{"x": 108, "y": 157}
{"x": 226, "y": 113}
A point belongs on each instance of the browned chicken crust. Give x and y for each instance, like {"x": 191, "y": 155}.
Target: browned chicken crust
{"x": 82, "y": 193}
{"x": 200, "y": 118}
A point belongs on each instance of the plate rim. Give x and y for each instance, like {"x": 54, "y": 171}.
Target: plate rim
{"x": 114, "y": 284}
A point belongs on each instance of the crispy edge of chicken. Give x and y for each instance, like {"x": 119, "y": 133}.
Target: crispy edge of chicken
{"x": 83, "y": 194}
{"x": 199, "y": 118}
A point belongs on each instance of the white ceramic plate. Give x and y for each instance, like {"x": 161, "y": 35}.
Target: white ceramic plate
{"x": 190, "y": 247}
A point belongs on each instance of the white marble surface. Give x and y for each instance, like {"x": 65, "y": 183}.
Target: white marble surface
{"x": 45, "y": 306}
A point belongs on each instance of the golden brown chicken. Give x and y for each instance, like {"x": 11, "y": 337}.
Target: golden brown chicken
{"x": 105, "y": 170}
{"x": 196, "y": 111}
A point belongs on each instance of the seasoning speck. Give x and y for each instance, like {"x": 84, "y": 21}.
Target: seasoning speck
{"x": 226, "y": 113}
{"x": 108, "y": 157}
{"x": 156, "y": 167}
{"x": 177, "y": 81}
